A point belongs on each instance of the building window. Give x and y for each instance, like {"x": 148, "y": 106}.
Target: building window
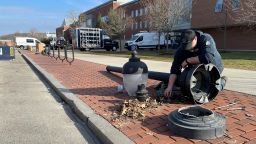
{"x": 141, "y": 11}
{"x": 104, "y": 19}
{"x": 89, "y": 23}
{"x": 137, "y": 13}
{"x": 235, "y": 4}
{"x": 150, "y": 24}
{"x": 145, "y": 24}
{"x": 218, "y": 6}
{"x": 136, "y": 25}
{"x": 132, "y": 13}
{"x": 132, "y": 26}
{"x": 146, "y": 10}
{"x": 141, "y": 25}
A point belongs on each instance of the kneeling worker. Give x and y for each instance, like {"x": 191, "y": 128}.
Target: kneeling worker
{"x": 196, "y": 48}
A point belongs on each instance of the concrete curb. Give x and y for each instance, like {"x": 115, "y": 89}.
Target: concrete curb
{"x": 107, "y": 133}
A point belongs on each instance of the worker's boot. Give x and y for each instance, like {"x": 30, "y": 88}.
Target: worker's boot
{"x": 223, "y": 81}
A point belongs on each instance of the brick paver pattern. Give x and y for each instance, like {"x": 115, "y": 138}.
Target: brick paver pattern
{"x": 97, "y": 88}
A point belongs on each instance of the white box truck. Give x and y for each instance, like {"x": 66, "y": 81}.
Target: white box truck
{"x": 145, "y": 40}
{"x": 23, "y": 42}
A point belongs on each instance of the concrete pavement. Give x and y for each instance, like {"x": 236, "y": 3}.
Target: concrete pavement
{"x": 238, "y": 80}
{"x": 31, "y": 113}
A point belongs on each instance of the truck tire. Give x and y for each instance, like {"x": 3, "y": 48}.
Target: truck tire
{"x": 22, "y": 47}
{"x": 108, "y": 49}
{"x": 114, "y": 48}
{"x": 82, "y": 49}
{"x": 134, "y": 47}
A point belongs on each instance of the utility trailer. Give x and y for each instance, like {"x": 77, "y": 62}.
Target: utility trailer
{"x": 92, "y": 38}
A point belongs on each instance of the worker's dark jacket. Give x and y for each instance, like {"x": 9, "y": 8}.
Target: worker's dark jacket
{"x": 205, "y": 50}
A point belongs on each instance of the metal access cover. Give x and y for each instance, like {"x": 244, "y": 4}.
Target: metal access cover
{"x": 196, "y": 122}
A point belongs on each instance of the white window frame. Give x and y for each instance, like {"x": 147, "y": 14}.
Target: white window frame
{"x": 235, "y": 4}
{"x": 136, "y": 25}
{"x": 132, "y": 13}
{"x": 132, "y": 26}
{"x": 146, "y": 9}
{"x": 218, "y": 6}
{"x": 145, "y": 24}
{"x": 141, "y": 11}
{"x": 136, "y": 13}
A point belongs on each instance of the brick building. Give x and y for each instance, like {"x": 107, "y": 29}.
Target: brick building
{"x": 206, "y": 15}
{"x": 133, "y": 8}
{"x": 89, "y": 17}
{"x": 64, "y": 28}
{"x": 211, "y": 16}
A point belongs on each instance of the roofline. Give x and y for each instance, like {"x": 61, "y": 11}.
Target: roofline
{"x": 97, "y": 7}
{"x": 131, "y": 2}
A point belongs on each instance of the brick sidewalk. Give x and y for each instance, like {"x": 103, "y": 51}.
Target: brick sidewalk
{"x": 97, "y": 88}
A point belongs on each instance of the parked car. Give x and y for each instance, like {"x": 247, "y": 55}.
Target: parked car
{"x": 53, "y": 41}
{"x": 61, "y": 42}
{"x": 109, "y": 44}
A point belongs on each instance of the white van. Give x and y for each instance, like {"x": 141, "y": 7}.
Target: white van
{"x": 22, "y": 42}
{"x": 145, "y": 40}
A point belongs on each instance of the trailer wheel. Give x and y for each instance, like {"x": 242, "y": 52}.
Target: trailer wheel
{"x": 81, "y": 49}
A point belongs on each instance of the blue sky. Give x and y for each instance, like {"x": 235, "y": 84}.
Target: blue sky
{"x": 43, "y": 15}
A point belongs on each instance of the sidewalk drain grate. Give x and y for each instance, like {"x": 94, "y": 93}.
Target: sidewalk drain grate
{"x": 196, "y": 122}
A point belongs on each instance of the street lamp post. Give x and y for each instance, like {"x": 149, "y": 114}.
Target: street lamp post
{"x": 135, "y": 73}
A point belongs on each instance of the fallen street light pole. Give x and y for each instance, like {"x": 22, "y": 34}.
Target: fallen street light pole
{"x": 201, "y": 82}
{"x": 160, "y": 76}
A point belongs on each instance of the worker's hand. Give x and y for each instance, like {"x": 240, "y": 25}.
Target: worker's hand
{"x": 167, "y": 92}
{"x": 184, "y": 64}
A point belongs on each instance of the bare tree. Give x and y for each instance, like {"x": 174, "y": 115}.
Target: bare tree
{"x": 247, "y": 13}
{"x": 157, "y": 15}
{"x": 33, "y": 32}
{"x": 235, "y": 13}
{"x": 117, "y": 24}
{"x": 165, "y": 15}
{"x": 82, "y": 19}
{"x": 73, "y": 16}
{"x": 179, "y": 12}
{"x": 100, "y": 23}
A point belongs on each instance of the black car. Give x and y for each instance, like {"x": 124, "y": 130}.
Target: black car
{"x": 109, "y": 44}
{"x": 61, "y": 42}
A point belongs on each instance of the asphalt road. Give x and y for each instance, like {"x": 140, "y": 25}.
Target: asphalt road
{"x": 31, "y": 113}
